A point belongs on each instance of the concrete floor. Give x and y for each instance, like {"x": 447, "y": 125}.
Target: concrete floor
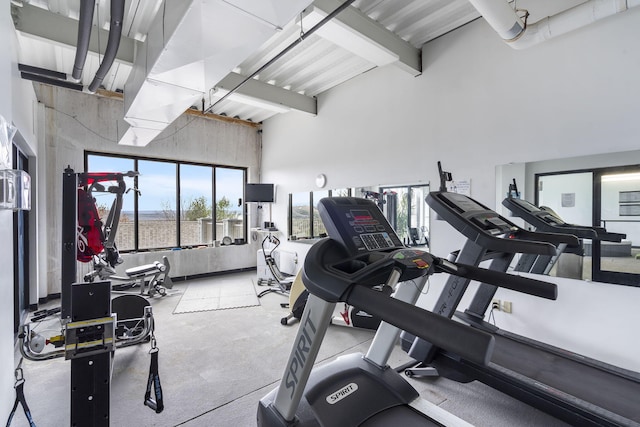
{"x": 216, "y": 365}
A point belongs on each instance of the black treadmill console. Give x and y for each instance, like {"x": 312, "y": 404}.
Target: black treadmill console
{"x": 358, "y": 224}
{"x": 521, "y": 207}
{"x": 545, "y": 219}
{"x": 481, "y": 216}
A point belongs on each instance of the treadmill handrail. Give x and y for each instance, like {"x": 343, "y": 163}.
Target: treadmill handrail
{"x": 450, "y": 335}
{"x": 555, "y": 238}
{"x": 522, "y": 284}
{"x": 545, "y": 221}
{"x": 324, "y": 276}
{"x": 330, "y": 275}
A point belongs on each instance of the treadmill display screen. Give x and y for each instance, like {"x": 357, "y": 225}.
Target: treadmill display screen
{"x": 525, "y": 205}
{"x": 463, "y": 203}
{"x": 487, "y": 220}
{"x": 358, "y": 224}
{"x": 533, "y": 211}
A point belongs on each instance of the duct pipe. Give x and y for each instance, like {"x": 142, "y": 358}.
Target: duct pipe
{"x": 501, "y": 17}
{"x": 115, "y": 32}
{"x": 504, "y": 20}
{"x": 84, "y": 35}
{"x": 287, "y": 49}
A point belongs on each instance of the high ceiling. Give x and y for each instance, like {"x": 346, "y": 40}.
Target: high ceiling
{"x": 367, "y": 34}
{"x": 47, "y": 33}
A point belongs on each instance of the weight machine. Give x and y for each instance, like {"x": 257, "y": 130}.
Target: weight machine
{"x": 96, "y": 239}
{"x": 93, "y": 325}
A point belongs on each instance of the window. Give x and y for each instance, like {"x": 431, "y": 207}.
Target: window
{"x": 318, "y": 226}
{"x": 125, "y": 239}
{"x": 172, "y": 206}
{"x": 304, "y": 218}
{"x": 229, "y": 206}
{"x": 157, "y": 207}
{"x": 300, "y": 215}
{"x": 196, "y": 215}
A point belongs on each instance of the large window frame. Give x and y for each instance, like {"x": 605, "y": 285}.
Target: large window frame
{"x": 178, "y": 200}
{"x": 314, "y": 223}
{"x": 305, "y": 216}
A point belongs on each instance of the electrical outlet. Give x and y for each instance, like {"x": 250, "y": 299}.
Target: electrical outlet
{"x": 495, "y": 305}
{"x": 506, "y": 306}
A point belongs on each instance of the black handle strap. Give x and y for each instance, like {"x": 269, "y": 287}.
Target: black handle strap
{"x": 156, "y": 403}
{"x": 20, "y": 399}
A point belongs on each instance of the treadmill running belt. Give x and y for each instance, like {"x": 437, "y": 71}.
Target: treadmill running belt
{"x": 403, "y": 416}
{"x": 608, "y": 391}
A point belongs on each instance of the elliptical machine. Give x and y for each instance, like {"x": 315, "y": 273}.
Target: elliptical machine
{"x": 356, "y": 389}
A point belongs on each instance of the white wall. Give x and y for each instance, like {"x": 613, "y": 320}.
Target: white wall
{"x": 16, "y": 102}
{"x": 478, "y": 104}
{"x": 6, "y": 234}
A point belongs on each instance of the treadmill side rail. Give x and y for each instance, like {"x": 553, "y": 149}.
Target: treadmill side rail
{"x": 313, "y": 326}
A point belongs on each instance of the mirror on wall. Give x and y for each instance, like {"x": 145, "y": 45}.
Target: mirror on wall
{"x": 608, "y": 198}
{"x": 404, "y": 207}
{"x": 601, "y": 192}
{"x": 408, "y": 213}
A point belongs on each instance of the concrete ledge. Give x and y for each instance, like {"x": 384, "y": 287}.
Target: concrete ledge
{"x": 191, "y": 262}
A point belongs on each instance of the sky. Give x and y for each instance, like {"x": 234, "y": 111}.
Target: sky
{"x": 157, "y": 182}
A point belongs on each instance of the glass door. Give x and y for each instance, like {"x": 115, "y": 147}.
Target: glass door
{"x": 608, "y": 199}
{"x": 20, "y": 251}
{"x": 618, "y": 192}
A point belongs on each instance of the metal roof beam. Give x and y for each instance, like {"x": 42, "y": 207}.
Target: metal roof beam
{"x": 35, "y": 21}
{"x": 272, "y": 94}
{"x": 409, "y": 57}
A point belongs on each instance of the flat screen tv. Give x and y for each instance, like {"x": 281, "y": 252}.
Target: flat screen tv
{"x": 261, "y": 193}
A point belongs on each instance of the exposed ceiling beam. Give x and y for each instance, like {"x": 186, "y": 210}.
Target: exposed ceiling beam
{"x": 409, "y": 57}
{"x": 38, "y": 22}
{"x": 273, "y": 94}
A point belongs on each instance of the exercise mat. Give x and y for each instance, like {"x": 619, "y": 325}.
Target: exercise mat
{"x": 217, "y": 294}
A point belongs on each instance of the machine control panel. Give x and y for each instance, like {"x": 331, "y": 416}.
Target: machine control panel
{"x": 489, "y": 221}
{"x": 533, "y": 211}
{"x": 358, "y": 224}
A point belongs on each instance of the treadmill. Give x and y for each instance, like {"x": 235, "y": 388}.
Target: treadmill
{"x": 363, "y": 251}
{"x": 574, "y": 388}
{"x": 545, "y": 219}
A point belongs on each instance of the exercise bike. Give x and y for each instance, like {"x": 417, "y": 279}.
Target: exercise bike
{"x": 279, "y": 282}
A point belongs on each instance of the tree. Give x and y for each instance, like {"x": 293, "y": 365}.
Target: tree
{"x": 402, "y": 219}
{"x": 197, "y": 209}
{"x": 167, "y": 211}
{"x": 190, "y": 210}
{"x": 103, "y": 210}
{"x": 222, "y": 209}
